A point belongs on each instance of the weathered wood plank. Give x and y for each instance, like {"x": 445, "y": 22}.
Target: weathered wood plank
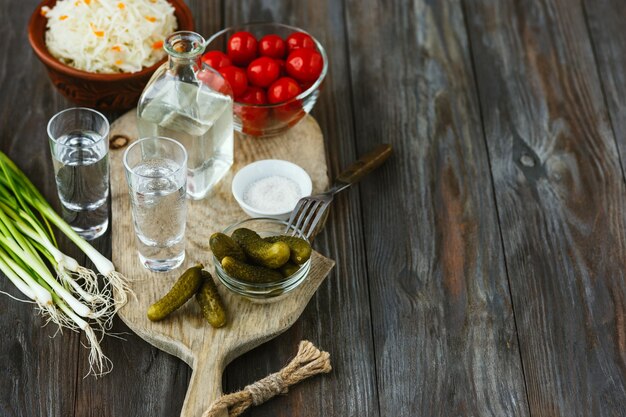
{"x": 444, "y": 328}
{"x": 605, "y": 20}
{"x": 558, "y": 188}
{"x": 144, "y": 380}
{"x": 561, "y": 201}
{"x": 33, "y": 362}
{"x": 187, "y": 334}
{"x": 337, "y": 318}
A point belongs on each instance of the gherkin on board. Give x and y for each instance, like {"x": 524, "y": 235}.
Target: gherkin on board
{"x": 210, "y": 301}
{"x": 184, "y": 288}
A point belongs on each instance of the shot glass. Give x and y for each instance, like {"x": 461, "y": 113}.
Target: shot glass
{"x": 156, "y": 172}
{"x": 79, "y": 144}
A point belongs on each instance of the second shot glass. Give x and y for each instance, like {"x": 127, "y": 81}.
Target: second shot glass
{"x": 156, "y": 172}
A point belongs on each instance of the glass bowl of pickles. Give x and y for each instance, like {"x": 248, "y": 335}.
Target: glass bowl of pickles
{"x": 261, "y": 259}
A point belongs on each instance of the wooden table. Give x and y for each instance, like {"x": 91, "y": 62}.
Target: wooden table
{"x": 481, "y": 272}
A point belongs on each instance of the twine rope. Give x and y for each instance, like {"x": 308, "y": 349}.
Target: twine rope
{"x": 268, "y": 387}
{"x": 309, "y": 361}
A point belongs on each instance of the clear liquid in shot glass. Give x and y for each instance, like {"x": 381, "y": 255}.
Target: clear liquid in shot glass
{"x": 82, "y": 177}
{"x": 159, "y": 209}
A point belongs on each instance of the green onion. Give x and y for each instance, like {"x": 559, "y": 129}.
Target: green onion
{"x": 29, "y": 253}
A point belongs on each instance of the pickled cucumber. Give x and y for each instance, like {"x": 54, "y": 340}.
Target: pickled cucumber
{"x": 223, "y": 245}
{"x": 251, "y": 273}
{"x": 300, "y": 248}
{"x": 210, "y": 301}
{"x": 270, "y": 255}
{"x": 289, "y": 269}
{"x": 186, "y": 286}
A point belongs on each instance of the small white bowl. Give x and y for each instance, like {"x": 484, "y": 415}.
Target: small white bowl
{"x": 267, "y": 168}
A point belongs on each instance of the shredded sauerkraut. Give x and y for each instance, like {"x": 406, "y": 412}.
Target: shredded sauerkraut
{"x": 107, "y": 36}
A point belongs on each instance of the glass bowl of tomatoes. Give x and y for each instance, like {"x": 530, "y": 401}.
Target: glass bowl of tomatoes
{"x": 276, "y": 72}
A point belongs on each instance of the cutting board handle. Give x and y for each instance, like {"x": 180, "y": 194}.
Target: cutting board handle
{"x": 205, "y": 385}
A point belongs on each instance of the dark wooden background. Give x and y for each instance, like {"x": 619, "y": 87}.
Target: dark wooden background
{"x": 481, "y": 272}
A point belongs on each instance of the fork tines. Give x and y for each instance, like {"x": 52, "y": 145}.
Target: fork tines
{"x": 306, "y": 216}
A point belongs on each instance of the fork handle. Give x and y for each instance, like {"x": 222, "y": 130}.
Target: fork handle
{"x": 366, "y": 164}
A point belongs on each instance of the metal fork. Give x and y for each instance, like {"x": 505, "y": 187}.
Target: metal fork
{"x": 308, "y": 214}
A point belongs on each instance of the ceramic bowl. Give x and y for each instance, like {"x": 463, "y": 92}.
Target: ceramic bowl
{"x": 263, "y": 169}
{"x": 100, "y": 91}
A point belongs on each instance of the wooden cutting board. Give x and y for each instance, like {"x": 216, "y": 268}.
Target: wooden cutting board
{"x": 186, "y": 334}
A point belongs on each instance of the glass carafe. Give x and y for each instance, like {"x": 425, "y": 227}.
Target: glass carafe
{"x": 192, "y": 103}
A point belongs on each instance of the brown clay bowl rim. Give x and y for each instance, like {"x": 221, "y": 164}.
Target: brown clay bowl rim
{"x": 39, "y": 46}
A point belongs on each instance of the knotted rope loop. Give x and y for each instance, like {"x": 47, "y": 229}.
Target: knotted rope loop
{"x": 266, "y": 388}
{"x": 308, "y": 362}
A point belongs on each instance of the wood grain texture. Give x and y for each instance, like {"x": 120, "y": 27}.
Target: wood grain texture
{"x": 605, "y": 20}
{"x": 160, "y": 380}
{"x": 438, "y": 338}
{"x": 561, "y": 201}
{"x": 443, "y": 324}
{"x": 338, "y": 318}
{"x": 33, "y": 361}
{"x": 186, "y": 333}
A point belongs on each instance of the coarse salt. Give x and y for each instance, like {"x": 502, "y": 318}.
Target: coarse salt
{"x": 273, "y": 195}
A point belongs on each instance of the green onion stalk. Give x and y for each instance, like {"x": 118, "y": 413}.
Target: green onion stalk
{"x": 71, "y": 296}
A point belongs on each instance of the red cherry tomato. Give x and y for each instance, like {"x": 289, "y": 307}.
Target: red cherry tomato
{"x": 283, "y": 89}
{"x": 253, "y": 119}
{"x": 306, "y": 85}
{"x": 298, "y": 40}
{"x": 216, "y": 59}
{"x": 272, "y": 46}
{"x": 304, "y": 65}
{"x": 281, "y": 65}
{"x": 289, "y": 113}
{"x": 263, "y": 71}
{"x": 253, "y": 95}
{"x": 236, "y": 77}
{"x": 215, "y": 81}
{"x": 242, "y": 48}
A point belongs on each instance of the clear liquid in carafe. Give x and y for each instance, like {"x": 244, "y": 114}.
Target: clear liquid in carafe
{"x": 202, "y": 121}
